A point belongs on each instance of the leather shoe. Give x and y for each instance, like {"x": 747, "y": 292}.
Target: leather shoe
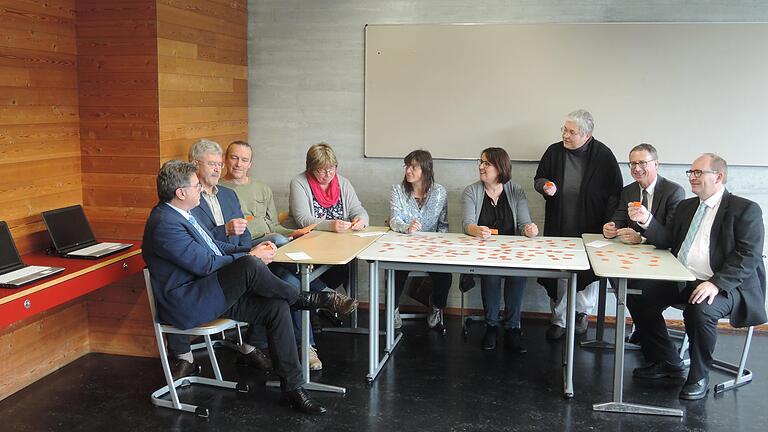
{"x": 489, "y": 338}
{"x": 181, "y": 368}
{"x": 660, "y": 369}
{"x": 695, "y": 390}
{"x": 333, "y": 301}
{"x": 257, "y": 359}
{"x": 634, "y": 338}
{"x": 299, "y": 400}
{"x": 513, "y": 341}
{"x": 555, "y": 332}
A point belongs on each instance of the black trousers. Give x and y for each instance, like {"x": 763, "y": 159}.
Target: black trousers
{"x": 441, "y": 284}
{"x": 260, "y": 298}
{"x": 700, "y": 322}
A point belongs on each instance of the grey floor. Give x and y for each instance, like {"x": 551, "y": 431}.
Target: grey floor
{"x": 432, "y": 383}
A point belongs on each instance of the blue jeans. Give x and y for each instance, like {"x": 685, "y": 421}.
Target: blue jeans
{"x": 277, "y": 239}
{"x": 514, "y": 290}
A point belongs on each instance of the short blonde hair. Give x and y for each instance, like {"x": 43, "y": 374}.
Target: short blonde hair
{"x": 319, "y": 156}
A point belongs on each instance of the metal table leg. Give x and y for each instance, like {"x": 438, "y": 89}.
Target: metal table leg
{"x": 305, "y": 325}
{"x": 617, "y": 405}
{"x": 570, "y": 338}
{"x": 353, "y": 326}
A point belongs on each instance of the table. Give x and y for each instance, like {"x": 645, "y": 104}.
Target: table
{"x": 614, "y": 259}
{"x": 80, "y": 276}
{"x": 548, "y": 257}
{"x": 325, "y": 249}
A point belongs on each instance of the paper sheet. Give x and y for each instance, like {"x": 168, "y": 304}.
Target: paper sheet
{"x": 598, "y": 243}
{"x": 298, "y": 256}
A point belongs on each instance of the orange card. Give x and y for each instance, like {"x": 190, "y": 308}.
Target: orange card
{"x": 306, "y": 229}
{"x": 549, "y": 184}
{"x": 249, "y": 218}
{"x": 635, "y": 204}
{"x": 494, "y": 231}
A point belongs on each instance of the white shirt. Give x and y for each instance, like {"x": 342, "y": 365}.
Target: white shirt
{"x": 182, "y": 212}
{"x": 698, "y": 256}
{"x": 213, "y": 203}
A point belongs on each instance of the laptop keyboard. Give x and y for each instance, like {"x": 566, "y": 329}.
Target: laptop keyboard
{"x": 20, "y": 273}
{"x": 96, "y": 248}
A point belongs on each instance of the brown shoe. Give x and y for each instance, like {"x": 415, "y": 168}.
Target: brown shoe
{"x": 257, "y": 359}
{"x": 181, "y": 368}
{"x": 333, "y": 301}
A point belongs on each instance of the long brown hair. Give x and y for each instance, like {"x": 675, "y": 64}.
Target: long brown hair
{"x": 424, "y": 159}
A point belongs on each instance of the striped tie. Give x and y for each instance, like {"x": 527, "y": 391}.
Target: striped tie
{"x": 205, "y": 235}
{"x": 685, "y": 248}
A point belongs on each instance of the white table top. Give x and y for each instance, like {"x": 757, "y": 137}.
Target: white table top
{"x": 552, "y": 253}
{"x": 612, "y": 258}
{"x": 326, "y": 247}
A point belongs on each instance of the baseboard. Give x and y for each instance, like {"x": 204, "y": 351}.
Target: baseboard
{"x": 609, "y": 320}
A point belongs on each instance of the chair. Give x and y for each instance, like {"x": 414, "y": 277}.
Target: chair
{"x": 742, "y": 375}
{"x": 466, "y": 283}
{"x": 282, "y": 217}
{"x": 205, "y": 330}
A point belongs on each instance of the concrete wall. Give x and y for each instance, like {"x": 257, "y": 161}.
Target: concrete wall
{"x": 306, "y": 85}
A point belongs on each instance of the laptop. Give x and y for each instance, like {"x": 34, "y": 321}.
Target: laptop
{"x": 13, "y": 272}
{"x": 72, "y": 235}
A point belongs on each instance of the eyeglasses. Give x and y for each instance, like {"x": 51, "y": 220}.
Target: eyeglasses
{"x": 326, "y": 171}
{"x": 570, "y": 132}
{"x": 212, "y": 164}
{"x": 697, "y": 172}
{"x": 641, "y": 164}
{"x": 484, "y": 163}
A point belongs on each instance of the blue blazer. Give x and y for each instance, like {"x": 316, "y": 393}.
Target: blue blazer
{"x": 183, "y": 268}
{"x": 230, "y": 208}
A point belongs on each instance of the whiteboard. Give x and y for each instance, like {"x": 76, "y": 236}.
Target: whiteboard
{"x": 456, "y": 89}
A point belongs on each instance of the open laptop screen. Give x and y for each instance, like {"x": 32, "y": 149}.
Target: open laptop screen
{"x": 9, "y": 256}
{"x": 68, "y": 227}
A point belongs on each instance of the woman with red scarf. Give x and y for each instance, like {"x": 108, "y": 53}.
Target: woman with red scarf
{"x": 320, "y": 196}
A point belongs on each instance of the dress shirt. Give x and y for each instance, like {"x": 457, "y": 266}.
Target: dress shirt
{"x": 698, "y": 256}
{"x": 213, "y": 203}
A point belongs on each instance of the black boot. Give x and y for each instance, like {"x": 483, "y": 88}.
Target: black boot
{"x": 332, "y": 301}
{"x": 489, "y": 339}
{"x": 299, "y": 400}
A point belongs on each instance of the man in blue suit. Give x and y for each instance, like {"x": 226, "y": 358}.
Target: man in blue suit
{"x": 718, "y": 236}
{"x": 197, "y": 278}
{"x": 219, "y": 212}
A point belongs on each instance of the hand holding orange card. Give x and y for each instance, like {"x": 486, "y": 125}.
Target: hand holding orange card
{"x": 300, "y": 232}
{"x": 549, "y": 184}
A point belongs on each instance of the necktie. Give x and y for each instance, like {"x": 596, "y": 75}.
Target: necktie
{"x": 682, "y": 255}
{"x": 205, "y": 236}
{"x": 645, "y": 198}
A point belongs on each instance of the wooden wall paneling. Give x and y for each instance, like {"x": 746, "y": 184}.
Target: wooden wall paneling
{"x": 39, "y": 133}
{"x": 34, "y": 348}
{"x": 117, "y": 75}
{"x": 120, "y": 321}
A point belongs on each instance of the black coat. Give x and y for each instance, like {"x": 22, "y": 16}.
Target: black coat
{"x": 598, "y": 196}
{"x": 735, "y": 252}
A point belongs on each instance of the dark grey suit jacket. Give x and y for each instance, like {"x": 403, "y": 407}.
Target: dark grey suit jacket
{"x": 735, "y": 252}
{"x": 666, "y": 196}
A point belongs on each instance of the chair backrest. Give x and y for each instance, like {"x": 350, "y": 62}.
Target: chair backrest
{"x": 282, "y": 217}
{"x": 150, "y": 294}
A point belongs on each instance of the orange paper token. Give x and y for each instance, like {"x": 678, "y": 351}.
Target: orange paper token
{"x": 249, "y": 218}
{"x": 494, "y": 231}
{"x": 635, "y": 204}
{"x": 548, "y": 184}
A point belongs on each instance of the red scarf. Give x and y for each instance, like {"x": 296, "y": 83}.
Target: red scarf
{"x": 326, "y": 199}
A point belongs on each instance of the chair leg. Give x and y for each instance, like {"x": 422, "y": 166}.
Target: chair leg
{"x": 743, "y": 376}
